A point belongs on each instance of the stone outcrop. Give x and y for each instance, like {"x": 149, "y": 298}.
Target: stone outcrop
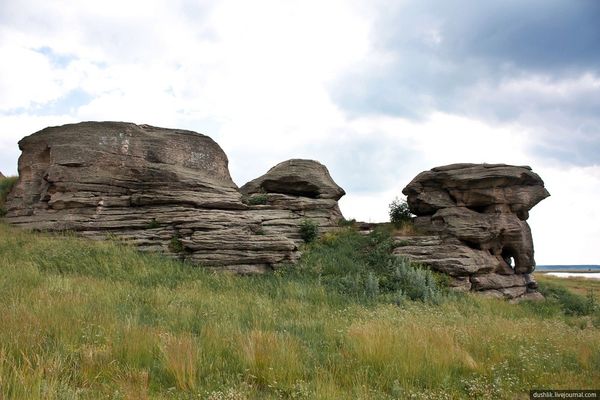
{"x": 295, "y": 190}
{"x": 170, "y": 190}
{"x": 473, "y": 220}
{"x": 305, "y": 178}
{"x": 167, "y": 190}
{"x": 1, "y": 176}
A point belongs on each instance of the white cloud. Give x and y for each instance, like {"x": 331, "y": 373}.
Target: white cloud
{"x": 566, "y": 225}
{"x": 15, "y": 127}
{"x": 26, "y": 78}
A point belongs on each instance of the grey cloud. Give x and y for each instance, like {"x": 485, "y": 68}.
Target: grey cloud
{"x": 455, "y": 56}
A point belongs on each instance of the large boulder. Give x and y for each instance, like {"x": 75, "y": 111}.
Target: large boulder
{"x": 101, "y": 164}
{"x": 161, "y": 189}
{"x": 474, "y": 217}
{"x": 476, "y": 186}
{"x": 296, "y": 177}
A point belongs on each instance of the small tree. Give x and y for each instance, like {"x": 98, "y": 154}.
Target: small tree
{"x": 400, "y": 212}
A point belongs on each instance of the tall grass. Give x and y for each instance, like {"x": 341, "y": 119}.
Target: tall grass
{"x": 83, "y": 320}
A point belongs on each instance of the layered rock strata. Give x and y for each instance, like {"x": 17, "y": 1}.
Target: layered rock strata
{"x": 170, "y": 190}
{"x": 293, "y": 191}
{"x": 473, "y": 221}
{"x": 167, "y": 190}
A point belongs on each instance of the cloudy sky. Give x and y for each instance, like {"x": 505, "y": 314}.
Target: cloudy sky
{"x": 376, "y": 90}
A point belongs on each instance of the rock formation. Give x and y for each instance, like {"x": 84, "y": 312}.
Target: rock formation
{"x": 295, "y": 190}
{"x": 473, "y": 220}
{"x": 1, "y": 176}
{"x": 170, "y": 190}
{"x": 167, "y": 190}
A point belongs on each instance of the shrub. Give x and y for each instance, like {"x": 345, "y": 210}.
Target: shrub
{"x": 309, "y": 230}
{"x": 343, "y": 222}
{"x": 175, "y": 245}
{"x": 399, "y": 212}
{"x": 153, "y": 224}
{"x": 414, "y": 282}
{"x": 6, "y": 185}
{"x": 363, "y": 267}
{"x": 257, "y": 199}
{"x": 570, "y": 303}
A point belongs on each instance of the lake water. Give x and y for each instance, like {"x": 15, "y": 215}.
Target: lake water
{"x": 571, "y": 271}
{"x": 589, "y": 275}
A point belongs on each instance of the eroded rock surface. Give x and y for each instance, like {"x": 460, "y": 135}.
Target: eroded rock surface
{"x": 473, "y": 217}
{"x": 170, "y": 190}
{"x": 295, "y": 190}
{"x": 167, "y": 190}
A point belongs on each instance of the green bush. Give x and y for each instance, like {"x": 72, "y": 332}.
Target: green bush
{"x": 363, "y": 267}
{"x": 343, "y": 222}
{"x": 257, "y": 199}
{"x": 570, "y": 303}
{"x": 175, "y": 245}
{"x": 153, "y": 224}
{"x": 6, "y": 185}
{"x": 399, "y": 212}
{"x": 309, "y": 230}
{"x": 414, "y": 282}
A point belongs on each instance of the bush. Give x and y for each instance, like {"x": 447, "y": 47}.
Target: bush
{"x": 153, "y": 224}
{"x": 414, "y": 282}
{"x": 257, "y": 199}
{"x": 399, "y": 212}
{"x": 363, "y": 267}
{"x": 570, "y": 303}
{"x": 6, "y": 185}
{"x": 343, "y": 222}
{"x": 176, "y": 245}
{"x": 309, "y": 230}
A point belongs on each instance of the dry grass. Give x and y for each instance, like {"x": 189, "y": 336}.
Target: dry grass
{"x": 182, "y": 359}
{"x": 271, "y": 358}
{"x": 406, "y": 229}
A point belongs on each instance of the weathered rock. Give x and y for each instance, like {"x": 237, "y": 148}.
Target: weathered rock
{"x": 449, "y": 257}
{"x": 1, "y": 176}
{"x": 474, "y": 220}
{"x": 528, "y": 296}
{"x": 305, "y": 178}
{"x": 477, "y": 186}
{"x": 165, "y": 190}
{"x": 293, "y": 191}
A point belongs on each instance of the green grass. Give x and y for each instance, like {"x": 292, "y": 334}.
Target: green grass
{"x": 577, "y": 296}
{"x": 88, "y": 320}
{"x": 581, "y": 286}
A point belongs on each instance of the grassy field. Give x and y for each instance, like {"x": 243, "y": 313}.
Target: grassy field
{"x": 86, "y": 320}
{"x": 581, "y": 286}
